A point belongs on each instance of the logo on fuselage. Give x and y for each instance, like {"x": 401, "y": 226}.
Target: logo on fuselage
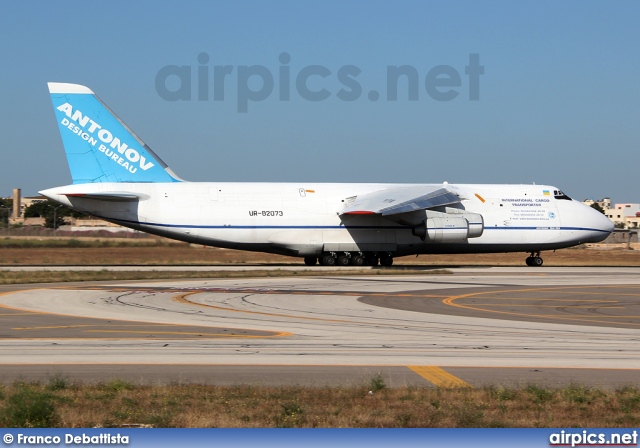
{"x": 103, "y": 140}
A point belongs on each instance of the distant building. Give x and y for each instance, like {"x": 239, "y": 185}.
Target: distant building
{"x": 18, "y": 211}
{"x": 603, "y": 203}
{"x": 622, "y": 215}
{"x": 627, "y": 215}
{"x": 91, "y": 223}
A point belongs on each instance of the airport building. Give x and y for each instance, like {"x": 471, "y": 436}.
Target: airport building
{"x": 623, "y": 215}
{"x": 602, "y": 203}
{"x": 627, "y": 215}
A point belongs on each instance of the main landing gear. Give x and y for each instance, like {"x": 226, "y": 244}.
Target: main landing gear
{"x": 534, "y": 259}
{"x": 351, "y": 259}
{"x": 310, "y": 261}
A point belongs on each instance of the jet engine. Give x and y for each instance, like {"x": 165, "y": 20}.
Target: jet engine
{"x": 452, "y": 227}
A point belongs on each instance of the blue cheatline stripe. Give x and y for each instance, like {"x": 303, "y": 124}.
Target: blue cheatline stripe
{"x": 547, "y": 228}
{"x": 193, "y": 226}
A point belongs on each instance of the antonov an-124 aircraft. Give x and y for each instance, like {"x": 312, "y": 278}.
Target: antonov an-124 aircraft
{"x": 118, "y": 178}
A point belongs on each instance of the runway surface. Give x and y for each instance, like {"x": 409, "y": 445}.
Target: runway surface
{"x": 475, "y": 327}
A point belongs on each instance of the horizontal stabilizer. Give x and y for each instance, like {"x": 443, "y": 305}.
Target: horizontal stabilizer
{"x": 400, "y": 200}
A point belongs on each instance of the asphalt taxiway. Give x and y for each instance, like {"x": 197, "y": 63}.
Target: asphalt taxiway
{"x": 477, "y": 326}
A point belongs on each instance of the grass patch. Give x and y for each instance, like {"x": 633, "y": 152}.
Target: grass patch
{"x": 58, "y": 382}
{"x": 376, "y": 383}
{"x": 29, "y": 406}
{"x": 22, "y": 277}
{"x": 120, "y": 403}
{"x": 52, "y": 242}
{"x": 86, "y": 250}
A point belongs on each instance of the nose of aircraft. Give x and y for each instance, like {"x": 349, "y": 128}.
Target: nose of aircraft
{"x": 582, "y": 223}
{"x": 598, "y": 224}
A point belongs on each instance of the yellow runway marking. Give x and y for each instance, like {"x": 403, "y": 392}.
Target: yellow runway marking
{"x": 591, "y": 319}
{"x": 56, "y": 327}
{"x": 182, "y": 298}
{"x": 439, "y": 377}
{"x": 216, "y": 335}
{"x": 259, "y": 291}
{"x": 553, "y": 306}
{"x": 540, "y": 299}
{"x": 124, "y": 324}
{"x": 600, "y": 293}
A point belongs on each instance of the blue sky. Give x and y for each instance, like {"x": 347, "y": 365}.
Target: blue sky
{"x": 558, "y": 101}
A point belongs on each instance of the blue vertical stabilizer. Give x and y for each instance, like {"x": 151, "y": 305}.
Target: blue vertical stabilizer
{"x": 99, "y": 146}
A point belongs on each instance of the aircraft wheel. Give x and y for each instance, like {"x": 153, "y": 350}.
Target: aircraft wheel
{"x": 386, "y": 261}
{"x": 344, "y": 260}
{"x": 371, "y": 261}
{"x": 534, "y": 261}
{"x": 310, "y": 261}
{"x": 357, "y": 260}
{"x": 328, "y": 260}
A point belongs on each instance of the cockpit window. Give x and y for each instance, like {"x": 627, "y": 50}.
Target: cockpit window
{"x": 560, "y": 195}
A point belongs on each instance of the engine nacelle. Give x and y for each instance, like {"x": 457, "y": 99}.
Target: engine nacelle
{"x": 476, "y": 225}
{"x": 475, "y": 220}
{"x": 451, "y": 227}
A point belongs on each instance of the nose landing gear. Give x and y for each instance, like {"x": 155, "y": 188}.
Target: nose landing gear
{"x": 534, "y": 259}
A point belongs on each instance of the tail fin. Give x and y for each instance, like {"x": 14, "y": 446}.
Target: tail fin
{"x": 99, "y": 146}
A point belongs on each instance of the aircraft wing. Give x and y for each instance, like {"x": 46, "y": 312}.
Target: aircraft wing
{"x": 393, "y": 201}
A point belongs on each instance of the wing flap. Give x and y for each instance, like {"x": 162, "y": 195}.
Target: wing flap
{"x": 393, "y": 201}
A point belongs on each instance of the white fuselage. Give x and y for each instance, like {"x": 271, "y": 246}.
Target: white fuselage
{"x": 118, "y": 178}
{"x": 303, "y": 219}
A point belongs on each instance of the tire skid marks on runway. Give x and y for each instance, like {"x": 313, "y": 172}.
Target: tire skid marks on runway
{"x": 125, "y": 327}
{"x": 453, "y": 301}
{"x": 400, "y": 323}
{"x": 182, "y": 298}
{"x": 421, "y": 326}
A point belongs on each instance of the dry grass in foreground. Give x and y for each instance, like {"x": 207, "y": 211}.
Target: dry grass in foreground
{"x": 117, "y": 403}
{"x": 17, "y": 277}
{"x": 150, "y": 251}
